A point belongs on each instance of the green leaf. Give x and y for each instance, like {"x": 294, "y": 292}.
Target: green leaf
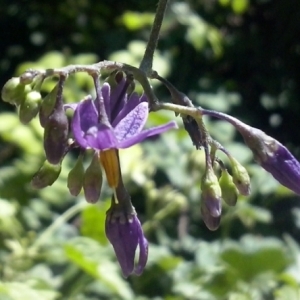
{"x": 94, "y": 259}
{"x": 22, "y": 291}
{"x": 93, "y": 220}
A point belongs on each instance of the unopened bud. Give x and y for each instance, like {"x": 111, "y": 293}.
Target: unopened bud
{"x": 14, "y": 92}
{"x": 229, "y": 190}
{"x": 212, "y": 223}
{"x": 47, "y": 106}
{"x": 29, "y": 108}
{"x": 75, "y": 177}
{"x": 27, "y": 77}
{"x": 56, "y": 135}
{"x": 46, "y": 175}
{"x": 92, "y": 181}
{"x": 241, "y": 177}
{"x": 211, "y": 193}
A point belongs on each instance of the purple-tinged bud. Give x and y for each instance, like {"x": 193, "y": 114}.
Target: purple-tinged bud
{"x": 56, "y": 128}
{"x": 29, "y": 108}
{"x": 274, "y": 158}
{"x": 211, "y": 192}
{"x": 76, "y": 177}
{"x": 212, "y": 223}
{"x": 268, "y": 152}
{"x": 46, "y": 175}
{"x": 124, "y": 231}
{"x": 240, "y": 177}
{"x": 229, "y": 190}
{"x": 14, "y": 92}
{"x": 47, "y": 106}
{"x": 92, "y": 180}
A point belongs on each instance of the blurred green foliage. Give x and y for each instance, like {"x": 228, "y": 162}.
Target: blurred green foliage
{"x": 240, "y": 57}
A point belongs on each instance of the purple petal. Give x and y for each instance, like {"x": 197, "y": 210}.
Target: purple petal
{"x": 212, "y": 223}
{"x": 143, "y": 257}
{"x": 106, "y": 97}
{"x": 88, "y": 115}
{"x": 284, "y": 168}
{"x": 118, "y": 98}
{"x": 132, "y": 123}
{"x": 145, "y": 134}
{"x": 132, "y": 103}
{"x": 101, "y": 137}
{"x": 124, "y": 238}
{"x": 214, "y": 206}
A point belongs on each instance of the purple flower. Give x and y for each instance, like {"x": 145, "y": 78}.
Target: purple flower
{"x": 112, "y": 121}
{"x": 125, "y": 233}
{"x": 126, "y": 119}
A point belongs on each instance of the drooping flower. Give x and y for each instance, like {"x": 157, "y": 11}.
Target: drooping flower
{"x": 110, "y": 122}
{"x": 123, "y": 230}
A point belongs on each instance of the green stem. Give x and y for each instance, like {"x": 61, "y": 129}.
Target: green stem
{"x": 147, "y": 61}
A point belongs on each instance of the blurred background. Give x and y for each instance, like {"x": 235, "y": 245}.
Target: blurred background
{"x": 241, "y": 57}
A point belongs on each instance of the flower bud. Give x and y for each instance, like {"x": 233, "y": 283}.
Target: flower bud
{"x": 75, "y": 177}
{"x": 14, "y": 92}
{"x": 28, "y": 77}
{"x": 56, "y": 135}
{"x": 29, "y": 108}
{"x": 212, "y": 223}
{"x": 47, "y": 106}
{"x": 92, "y": 181}
{"x": 241, "y": 177}
{"x": 46, "y": 175}
{"x": 211, "y": 193}
{"x": 229, "y": 190}
{"x": 274, "y": 157}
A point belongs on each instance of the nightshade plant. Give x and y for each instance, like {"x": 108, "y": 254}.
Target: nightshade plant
{"x": 114, "y": 120}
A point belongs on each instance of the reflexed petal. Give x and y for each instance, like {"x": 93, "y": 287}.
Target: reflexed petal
{"x": 88, "y": 116}
{"x": 101, "y": 137}
{"x": 132, "y": 103}
{"x": 133, "y": 123}
{"x": 145, "y": 134}
{"x": 106, "y": 96}
{"x": 118, "y": 98}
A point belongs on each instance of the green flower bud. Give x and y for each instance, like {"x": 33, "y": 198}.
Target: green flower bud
{"x": 29, "y": 108}
{"x": 46, "y": 175}
{"x": 241, "y": 177}
{"x": 28, "y": 77}
{"x": 14, "y": 92}
{"x": 211, "y": 192}
{"x": 47, "y": 106}
{"x": 92, "y": 181}
{"x": 229, "y": 190}
{"x": 75, "y": 177}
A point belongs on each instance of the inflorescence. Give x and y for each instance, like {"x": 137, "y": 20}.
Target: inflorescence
{"x": 114, "y": 120}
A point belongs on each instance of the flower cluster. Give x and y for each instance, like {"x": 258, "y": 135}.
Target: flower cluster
{"x": 113, "y": 120}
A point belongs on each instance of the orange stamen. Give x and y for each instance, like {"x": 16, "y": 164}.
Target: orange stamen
{"x": 110, "y": 162}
